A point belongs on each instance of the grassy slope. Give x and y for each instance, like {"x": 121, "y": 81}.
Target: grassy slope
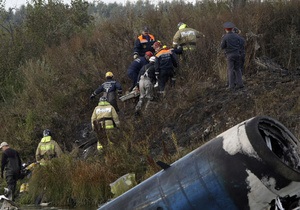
{"x": 57, "y": 88}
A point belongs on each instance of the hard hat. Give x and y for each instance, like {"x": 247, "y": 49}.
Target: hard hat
{"x": 109, "y": 74}
{"x": 179, "y": 24}
{"x": 156, "y": 45}
{"x": 103, "y": 98}
{"x": 149, "y": 53}
{"x": 152, "y": 59}
{"x": 46, "y": 132}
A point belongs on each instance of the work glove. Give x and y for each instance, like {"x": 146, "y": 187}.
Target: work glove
{"x": 92, "y": 96}
{"x": 135, "y": 56}
{"x": 156, "y": 84}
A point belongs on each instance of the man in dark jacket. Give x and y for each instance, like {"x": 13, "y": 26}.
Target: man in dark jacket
{"x": 135, "y": 67}
{"x": 231, "y": 44}
{"x": 165, "y": 64}
{"x": 11, "y": 165}
{"x": 110, "y": 89}
{"x": 143, "y": 43}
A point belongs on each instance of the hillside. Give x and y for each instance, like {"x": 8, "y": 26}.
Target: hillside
{"x": 54, "y": 56}
{"x": 269, "y": 90}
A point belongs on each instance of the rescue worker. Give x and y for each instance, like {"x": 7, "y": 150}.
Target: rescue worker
{"x": 165, "y": 64}
{"x": 104, "y": 122}
{"x": 10, "y": 165}
{"x": 146, "y": 81}
{"x": 231, "y": 44}
{"x": 185, "y": 38}
{"x": 242, "y": 48}
{"x": 135, "y": 67}
{"x": 143, "y": 43}
{"x": 47, "y": 148}
{"x": 111, "y": 89}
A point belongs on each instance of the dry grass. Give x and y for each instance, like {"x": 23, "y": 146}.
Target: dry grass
{"x": 56, "y": 87}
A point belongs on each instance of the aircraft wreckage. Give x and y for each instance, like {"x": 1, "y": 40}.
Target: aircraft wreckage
{"x": 254, "y": 165}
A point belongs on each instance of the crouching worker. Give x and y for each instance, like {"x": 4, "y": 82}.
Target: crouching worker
{"x": 104, "y": 121}
{"x": 47, "y": 148}
{"x": 146, "y": 81}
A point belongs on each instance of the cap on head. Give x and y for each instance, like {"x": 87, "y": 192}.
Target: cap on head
{"x": 228, "y": 25}
{"x": 109, "y": 74}
{"x": 46, "y": 132}
{"x": 3, "y": 144}
{"x": 145, "y": 29}
{"x": 149, "y": 54}
{"x": 152, "y": 59}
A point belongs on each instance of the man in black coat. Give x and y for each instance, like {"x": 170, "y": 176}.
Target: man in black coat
{"x": 11, "y": 165}
{"x": 231, "y": 44}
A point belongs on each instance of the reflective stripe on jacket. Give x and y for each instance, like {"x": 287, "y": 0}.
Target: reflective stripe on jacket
{"x": 105, "y": 113}
{"x": 165, "y": 62}
{"x": 143, "y": 40}
{"x": 47, "y": 149}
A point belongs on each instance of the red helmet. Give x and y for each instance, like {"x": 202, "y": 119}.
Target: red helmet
{"x": 149, "y": 54}
{"x": 156, "y": 45}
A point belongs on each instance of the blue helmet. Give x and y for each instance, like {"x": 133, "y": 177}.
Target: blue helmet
{"x": 103, "y": 98}
{"x": 46, "y": 132}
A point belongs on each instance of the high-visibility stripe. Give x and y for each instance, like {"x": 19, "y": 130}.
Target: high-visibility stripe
{"x": 47, "y": 147}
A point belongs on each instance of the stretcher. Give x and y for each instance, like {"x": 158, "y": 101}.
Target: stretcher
{"x": 132, "y": 94}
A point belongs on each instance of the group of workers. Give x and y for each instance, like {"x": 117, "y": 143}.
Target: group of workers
{"x": 153, "y": 65}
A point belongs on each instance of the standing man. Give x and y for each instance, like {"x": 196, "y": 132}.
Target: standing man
{"x": 104, "y": 122}
{"x": 110, "y": 89}
{"x": 11, "y": 165}
{"x": 135, "y": 67}
{"x": 165, "y": 64}
{"x": 143, "y": 43}
{"x": 185, "y": 38}
{"x": 231, "y": 44}
{"x": 146, "y": 81}
{"x": 47, "y": 148}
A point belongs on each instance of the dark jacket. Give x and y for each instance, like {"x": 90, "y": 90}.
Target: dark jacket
{"x": 109, "y": 86}
{"x": 11, "y": 162}
{"x": 143, "y": 44}
{"x": 136, "y": 65}
{"x": 242, "y": 46}
{"x": 231, "y": 43}
{"x": 165, "y": 62}
{"x": 149, "y": 69}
